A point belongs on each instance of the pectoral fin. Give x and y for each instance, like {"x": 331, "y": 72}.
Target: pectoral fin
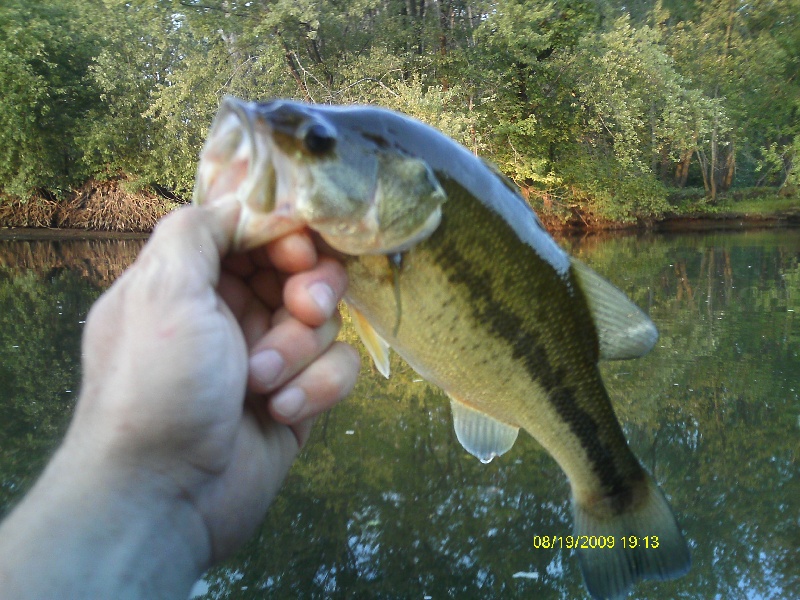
{"x": 481, "y": 435}
{"x": 376, "y": 346}
{"x": 623, "y": 329}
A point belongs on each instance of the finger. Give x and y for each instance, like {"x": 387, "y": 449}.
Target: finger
{"x": 302, "y": 431}
{"x": 286, "y": 349}
{"x": 267, "y": 285}
{"x": 292, "y": 253}
{"x": 317, "y": 388}
{"x": 312, "y": 296}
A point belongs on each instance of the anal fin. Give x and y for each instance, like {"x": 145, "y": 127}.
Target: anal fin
{"x": 481, "y": 435}
{"x": 376, "y": 346}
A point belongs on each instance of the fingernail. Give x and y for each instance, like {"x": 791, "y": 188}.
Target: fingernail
{"x": 266, "y": 366}
{"x": 324, "y": 297}
{"x": 289, "y": 403}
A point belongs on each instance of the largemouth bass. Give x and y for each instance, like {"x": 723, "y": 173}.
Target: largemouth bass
{"x": 449, "y": 266}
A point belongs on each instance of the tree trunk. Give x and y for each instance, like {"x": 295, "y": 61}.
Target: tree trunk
{"x": 730, "y": 168}
{"x": 701, "y": 158}
{"x": 292, "y": 64}
{"x": 712, "y": 168}
{"x": 665, "y": 166}
{"x": 682, "y": 170}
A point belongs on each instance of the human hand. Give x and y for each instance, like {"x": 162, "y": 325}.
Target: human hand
{"x": 202, "y": 375}
{"x": 166, "y": 365}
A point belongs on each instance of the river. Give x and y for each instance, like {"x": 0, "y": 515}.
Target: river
{"x": 384, "y": 503}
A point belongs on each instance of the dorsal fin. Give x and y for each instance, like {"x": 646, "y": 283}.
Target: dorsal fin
{"x": 481, "y": 435}
{"x": 623, "y": 329}
{"x": 376, "y": 346}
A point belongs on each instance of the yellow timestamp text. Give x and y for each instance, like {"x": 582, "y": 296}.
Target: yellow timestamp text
{"x": 585, "y": 542}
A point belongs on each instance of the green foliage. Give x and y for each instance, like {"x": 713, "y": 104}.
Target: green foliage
{"x": 601, "y": 105}
{"x": 44, "y": 57}
{"x": 163, "y": 85}
{"x": 603, "y": 186}
{"x": 631, "y": 109}
{"x": 434, "y": 105}
{"x": 745, "y": 57}
{"x": 793, "y": 170}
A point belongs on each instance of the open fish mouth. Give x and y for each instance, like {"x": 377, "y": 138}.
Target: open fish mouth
{"x": 237, "y": 165}
{"x": 289, "y": 167}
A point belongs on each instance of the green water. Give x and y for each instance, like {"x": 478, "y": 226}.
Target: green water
{"x": 384, "y": 503}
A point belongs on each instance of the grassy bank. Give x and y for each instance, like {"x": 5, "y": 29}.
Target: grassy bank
{"x": 691, "y": 209}
{"x": 748, "y": 202}
{"x": 740, "y": 208}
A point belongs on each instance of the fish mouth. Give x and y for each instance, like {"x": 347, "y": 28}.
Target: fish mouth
{"x": 290, "y": 167}
{"x": 238, "y": 164}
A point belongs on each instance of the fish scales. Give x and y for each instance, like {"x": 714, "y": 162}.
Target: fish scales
{"x": 449, "y": 266}
{"x": 534, "y": 364}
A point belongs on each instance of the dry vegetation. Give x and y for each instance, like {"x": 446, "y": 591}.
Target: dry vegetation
{"x": 99, "y": 206}
{"x": 36, "y": 212}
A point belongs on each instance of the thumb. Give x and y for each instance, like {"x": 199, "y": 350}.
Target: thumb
{"x": 186, "y": 248}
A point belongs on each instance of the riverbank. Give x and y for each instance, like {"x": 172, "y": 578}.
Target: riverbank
{"x": 96, "y": 206}
{"x": 738, "y": 210}
{"x": 100, "y": 208}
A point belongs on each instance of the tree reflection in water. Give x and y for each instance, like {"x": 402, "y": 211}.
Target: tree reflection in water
{"x": 384, "y": 503}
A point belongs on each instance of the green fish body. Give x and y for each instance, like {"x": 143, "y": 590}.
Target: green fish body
{"x": 453, "y": 270}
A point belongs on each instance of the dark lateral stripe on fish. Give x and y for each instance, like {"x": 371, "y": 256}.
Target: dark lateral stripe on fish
{"x": 529, "y": 349}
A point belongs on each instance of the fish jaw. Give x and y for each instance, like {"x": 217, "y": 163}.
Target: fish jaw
{"x": 239, "y": 163}
{"x": 374, "y": 241}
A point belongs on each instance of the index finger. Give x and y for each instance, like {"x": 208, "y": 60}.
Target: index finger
{"x": 292, "y": 253}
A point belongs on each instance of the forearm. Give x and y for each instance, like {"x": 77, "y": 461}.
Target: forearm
{"x": 97, "y": 532}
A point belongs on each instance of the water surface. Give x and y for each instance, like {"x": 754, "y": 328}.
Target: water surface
{"x": 384, "y": 503}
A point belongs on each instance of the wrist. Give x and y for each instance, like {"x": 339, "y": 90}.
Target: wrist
{"x": 101, "y": 529}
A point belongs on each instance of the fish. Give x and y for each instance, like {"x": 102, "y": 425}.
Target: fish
{"x": 451, "y": 268}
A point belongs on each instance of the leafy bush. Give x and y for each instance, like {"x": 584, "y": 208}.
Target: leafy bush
{"x": 599, "y": 184}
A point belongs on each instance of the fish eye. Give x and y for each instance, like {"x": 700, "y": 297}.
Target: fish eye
{"x": 319, "y": 139}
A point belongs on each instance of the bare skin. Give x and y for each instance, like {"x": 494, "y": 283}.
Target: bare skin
{"x": 202, "y": 375}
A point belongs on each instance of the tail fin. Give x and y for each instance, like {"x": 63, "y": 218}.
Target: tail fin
{"x": 647, "y": 543}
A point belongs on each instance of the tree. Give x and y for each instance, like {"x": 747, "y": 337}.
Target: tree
{"x": 44, "y": 58}
{"x": 594, "y": 107}
{"x": 741, "y": 56}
